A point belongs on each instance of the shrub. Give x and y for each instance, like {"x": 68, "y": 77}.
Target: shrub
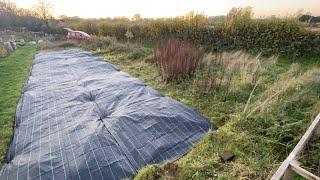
{"x": 177, "y": 59}
{"x": 238, "y": 31}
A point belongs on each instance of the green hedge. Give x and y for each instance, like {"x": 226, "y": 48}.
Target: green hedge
{"x": 286, "y": 37}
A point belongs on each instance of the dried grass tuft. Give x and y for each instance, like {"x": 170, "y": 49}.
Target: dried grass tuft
{"x": 177, "y": 59}
{"x": 229, "y": 69}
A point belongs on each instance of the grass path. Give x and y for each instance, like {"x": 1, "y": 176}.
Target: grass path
{"x": 14, "y": 72}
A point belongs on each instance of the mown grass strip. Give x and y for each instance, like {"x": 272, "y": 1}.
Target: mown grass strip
{"x": 14, "y": 72}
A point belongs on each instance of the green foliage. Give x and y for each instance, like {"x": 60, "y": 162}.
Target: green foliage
{"x": 274, "y": 36}
{"x": 287, "y": 37}
{"x": 13, "y": 74}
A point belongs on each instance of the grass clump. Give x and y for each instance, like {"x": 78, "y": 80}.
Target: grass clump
{"x": 66, "y": 45}
{"x": 13, "y": 73}
{"x": 228, "y": 70}
{"x": 152, "y": 172}
{"x": 177, "y": 59}
{"x": 3, "y": 52}
{"x": 139, "y": 53}
{"x": 57, "y": 45}
{"x": 96, "y": 43}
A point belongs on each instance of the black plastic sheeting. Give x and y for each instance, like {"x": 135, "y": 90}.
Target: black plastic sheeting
{"x": 79, "y": 117}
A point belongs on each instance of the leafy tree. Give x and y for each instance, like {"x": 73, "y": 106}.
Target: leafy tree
{"x": 309, "y": 19}
{"x": 305, "y": 18}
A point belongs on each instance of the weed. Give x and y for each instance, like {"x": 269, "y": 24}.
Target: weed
{"x": 228, "y": 71}
{"x": 3, "y": 51}
{"x": 177, "y": 59}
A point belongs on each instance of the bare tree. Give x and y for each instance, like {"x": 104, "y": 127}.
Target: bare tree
{"x": 43, "y": 9}
{"x": 7, "y": 13}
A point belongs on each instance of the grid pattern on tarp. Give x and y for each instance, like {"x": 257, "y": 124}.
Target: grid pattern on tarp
{"x": 79, "y": 117}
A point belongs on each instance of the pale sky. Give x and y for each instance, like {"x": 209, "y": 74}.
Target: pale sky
{"x": 170, "y": 8}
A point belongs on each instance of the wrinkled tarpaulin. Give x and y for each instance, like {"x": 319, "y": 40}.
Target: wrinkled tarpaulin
{"x": 81, "y": 118}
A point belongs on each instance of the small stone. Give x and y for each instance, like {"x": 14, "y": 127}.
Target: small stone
{"x": 226, "y": 156}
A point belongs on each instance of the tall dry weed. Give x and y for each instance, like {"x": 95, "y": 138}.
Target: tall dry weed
{"x": 177, "y": 59}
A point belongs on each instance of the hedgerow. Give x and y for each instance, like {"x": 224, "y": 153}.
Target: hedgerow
{"x": 287, "y": 36}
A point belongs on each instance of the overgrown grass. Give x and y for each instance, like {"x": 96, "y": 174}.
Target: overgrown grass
{"x": 13, "y": 74}
{"x": 284, "y": 102}
{"x": 57, "y": 45}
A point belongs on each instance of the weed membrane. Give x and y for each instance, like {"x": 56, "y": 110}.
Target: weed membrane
{"x": 79, "y": 117}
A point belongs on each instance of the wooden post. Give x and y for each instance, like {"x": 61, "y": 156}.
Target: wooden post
{"x": 291, "y": 162}
{"x": 295, "y": 165}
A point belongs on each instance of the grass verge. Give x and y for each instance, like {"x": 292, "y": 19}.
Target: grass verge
{"x": 13, "y": 74}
